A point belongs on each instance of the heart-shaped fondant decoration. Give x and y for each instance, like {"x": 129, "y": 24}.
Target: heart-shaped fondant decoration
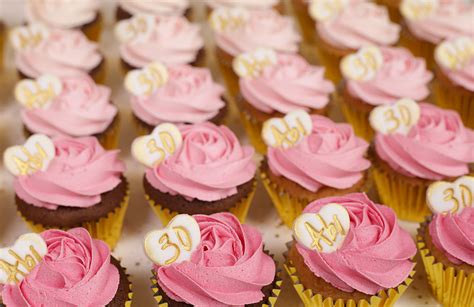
{"x": 362, "y": 65}
{"x": 322, "y": 10}
{"x": 455, "y": 54}
{"x": 35, "y": 155}
{"x": 146, "y": 80}
{"x": 288, "y": 131}
{"x": 134, "y": 28}
{"x": 18, "y": 260}
{"x": 324, "y": 231}
{"x": 28, "y": 36}
{"x": 175, "y": 243}
{"x": 251, "y": 64}
{"x": 445, "y": 197}
{"x": 154, "y": 148}
{"x": 418, "y": 9}
{"x": 397, "y": 118}
{"x": 38, "y": 93}
{"x": 228, "y": 19}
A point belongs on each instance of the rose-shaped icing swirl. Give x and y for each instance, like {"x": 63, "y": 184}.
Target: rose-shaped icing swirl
{"x": 83, "y": 108}
{"x": 401, "y": 76}
{"x": 454, "y": 235}
{"x": 76, "y": 271}
{"x": 438, "y": 146}
{"x": 248, "y": 4}
{"x": 292, "y": 83}
{"x": 155, "y": 7}
{"x": 229, "y": 267}
{"x": 173, "y": 40}
{"x": 62, "y": 53}
{"x": 361, "y": 23}
{"x": 463, "y": 77}
{"x": 375, "y": 254}
{"x": 64, "y": 14}
{"x": 76, "y": 177}
{"x": 189, "y": 96}
{"x": 209, "y": 165}
{"x": 264, "y": 28}
{"x": 330, "y": 156}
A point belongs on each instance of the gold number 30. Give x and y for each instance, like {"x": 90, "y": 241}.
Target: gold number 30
{"x": 405, "y": 118}
{"x": 466, "y": 197}
{"x": 184, "y": 242}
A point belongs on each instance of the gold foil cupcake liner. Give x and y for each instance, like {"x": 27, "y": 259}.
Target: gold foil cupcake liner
{"x": 253, "y": 128}
{"x": 94, "y": 30}
{"x": 100, "y": 74}
{"x": 110, "y": 138}
{"x": 418, "y": 47}
{"x": 306, "y": 22}
{"x": 461, "y": 101}
{"x": 128, "y": 303}
{"x": 359, "y": 119}
{"x": 230, "y": 77}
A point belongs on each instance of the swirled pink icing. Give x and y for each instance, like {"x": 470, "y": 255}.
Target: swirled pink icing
{"x": 292, "y": 83}
{"x": 361, "y": 23}
{"x": 438, "y": 146}
{"x": 401, "y": 76}
{"x": 83, "y": 108}
{"x": 76, "y": 177}
{"x": 155, "y": 7}
{"x": 229, "y": 267}
{"x": 173, "y": 40}
{"x": 264, "y": 28}
{"x": 62, "y": 53}
{"x": 248, "y": 4}
{"x": 209, "y": 165}
{"x": 76, "y": 271}
{"x": 330, "y": 156}
{"x": 189, "y": 96}
{"x": 452, "y": 18}
{"x": 375, "y": 254}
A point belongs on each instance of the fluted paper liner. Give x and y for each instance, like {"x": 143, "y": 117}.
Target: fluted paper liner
{"x": 93, "y": 30}
{"x": 128, "y": 303}
{"x": 461, "y": 101}
{"x": 418, "y": 47}
{"x": 359, "y": 120}
{"x": 110, "y": 138}
{"x": 254, "y": 131}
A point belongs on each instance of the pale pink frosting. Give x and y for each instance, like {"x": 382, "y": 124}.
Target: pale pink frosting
{"x": 76, "y": 177}
{"x": 330, "y": 156}
{"x": 401, "y": 76}
{"x": 264, "y": 28}
{"x": 174, "y": 40}
{"x": 209, "y": 165}
{"x": 83, "y": 108}
{"x": 375, "y": 254}
{"x": 463, "y": 77}
{"x": 189, "y": 96}
{"x": 229, "y": 268}
{"x": 76, "y": 271}
{"x": 361, "y": 23}
{"x": 63, "y": 53}
{"x": 452, "y": 18}
{"x": 439, "y": 146}
{"x": 155, "y": 7}
{"x": 292, "y": 83}
{"x": 249, "y": 4}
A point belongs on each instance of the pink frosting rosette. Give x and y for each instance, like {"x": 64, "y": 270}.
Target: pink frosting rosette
{"x": 62, "y": 53}
{"x": 83, "y": 108}
{"x": 401, "y": 76}
{"x": 173, "y": 40}
{"x": 249, "y": 4}
{"x": 189, "y": 96}
{"x": 209, "y": 165}
{"x": 375, "y": 254}
{"x": 361, "y": 23}
{"x": 332, "y": 155}
{"x": 155, "y": 7}
{"x": 76, "y": 271}
{"x": 229, "y": 267}
{"x": 292, "y": 83}
{"x": 264, "y": 28}
{"x": 438, "y": 146}
{"x": 76, "y": 177}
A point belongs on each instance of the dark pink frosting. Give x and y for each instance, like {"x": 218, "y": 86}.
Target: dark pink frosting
{"x": 189, "y": 96}
{"x": 209, "y": 165}
{"x": 401, "y": 76}
{"x": 438, "y": 146}
{"x": 76, "y": 177}
{"x": 454, "y": 235}
{"x": 375, "y": 254}
{"x": 229, "y": 267}
{"x": 76, "y": 271}
{"x": 292, "y": 83}
{"x": 332, "y": 155}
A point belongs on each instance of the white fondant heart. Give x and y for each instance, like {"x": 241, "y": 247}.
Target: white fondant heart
{"x": 455, "y": 54}
{"x": 251, "y": 64}
{"x": 139, "y": 26}
{"x": 228, "y": 19}
{"x": 322, "y": 10}
{"x": 418, "y": 9}
{"x": 444, "y": 197}
{"x": 397, "y": 118}
{"x": 38, "y": 93}
{"x": 362, "y": 65}
{"x": 288, "y": 131}
{"x": 28, "y": 36}
{"x": 146, "y": 80}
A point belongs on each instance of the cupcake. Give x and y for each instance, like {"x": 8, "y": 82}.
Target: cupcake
{"x": 196, "y": 169}
{"x": 437, "y": 146}
{"x": 428, "y": 23}
{"x": 171, "y": 40}
{"x": 217, "y": 262}
{"x": 65, "y": 183}
{"x": 77, "y": 107}
{"x": 129, "y": 8}
{"x": 306, "y": 22}
{"x": 59, "y": 268}
{"x": 349, "y": 251}
{"x": 397, "y": 74}
{"x": 187, "y": 95}
{"x": 237, "y": 31}
{"x": 454, "y": 85}
{"x": 393, "y": 7}
{"x": 40, "y": 51}
{"x": 328, "y": 161}
{"x": 81, "y": 15}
